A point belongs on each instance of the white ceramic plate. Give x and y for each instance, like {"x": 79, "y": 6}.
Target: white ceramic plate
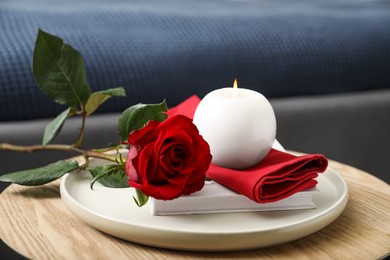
{"x": 113, "y": 211}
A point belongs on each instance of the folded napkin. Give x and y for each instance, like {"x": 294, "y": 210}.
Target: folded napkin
{"x": 278, "y": 176}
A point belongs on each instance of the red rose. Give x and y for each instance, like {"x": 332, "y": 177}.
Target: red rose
{"x": 168, "y": 159}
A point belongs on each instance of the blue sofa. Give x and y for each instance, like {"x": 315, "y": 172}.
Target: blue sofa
{"x": 324, "y": 65}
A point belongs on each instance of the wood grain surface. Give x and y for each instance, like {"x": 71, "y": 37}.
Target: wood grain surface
{"x": 37, "y": 224}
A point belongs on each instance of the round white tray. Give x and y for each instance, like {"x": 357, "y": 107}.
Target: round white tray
{"x": 113, "y": 211}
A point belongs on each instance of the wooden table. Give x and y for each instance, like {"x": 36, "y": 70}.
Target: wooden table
{"x": 37, "y": 224}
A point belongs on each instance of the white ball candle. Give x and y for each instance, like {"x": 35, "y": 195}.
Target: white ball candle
{"x": 238, "y": 124}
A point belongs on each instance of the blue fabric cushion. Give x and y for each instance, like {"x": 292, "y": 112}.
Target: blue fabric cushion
{"x": 174, "y": 48}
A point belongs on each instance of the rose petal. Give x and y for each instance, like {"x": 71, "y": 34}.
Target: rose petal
{"x": 195, "y": 185}
{"x": 177, "y": 121}
{"x": 131, "y": 172}
{"x": 147, "y": 162}
{"x": 144, "y": 135}
{"x": 176, "y": 150}
{"x": 166, "y": 192}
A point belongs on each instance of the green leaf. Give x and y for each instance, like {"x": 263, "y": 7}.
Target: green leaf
{"x": 42, "y": 175}
{"x": 135, "y": 117}
{"x": 140, "y": 198}
{"x": 54, "y": 127}
{"x": 98, "y": 98}
{"x": 109, "y": 175}
{"x": 59, "y": 71}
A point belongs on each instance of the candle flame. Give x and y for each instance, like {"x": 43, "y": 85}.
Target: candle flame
{"x": 235, "y": 88}
{"x": 235, "y": 84}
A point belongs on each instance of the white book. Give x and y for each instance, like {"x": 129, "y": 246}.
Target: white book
{"x": 216, "y": 198}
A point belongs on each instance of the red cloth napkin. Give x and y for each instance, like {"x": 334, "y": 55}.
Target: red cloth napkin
{"x": 186, "y": 108}
{"x": 278, "y": 176}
